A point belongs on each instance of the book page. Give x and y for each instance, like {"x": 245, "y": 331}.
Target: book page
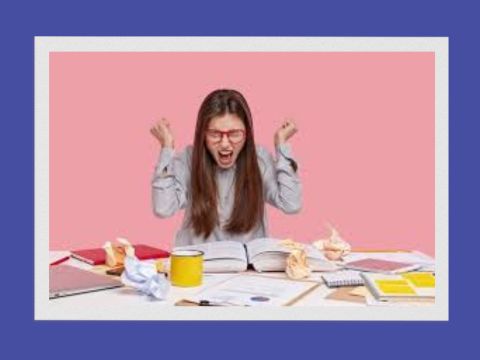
{"x": 219, "y": 250}
{"x": 253, "y": 290}
{"x": 263, "y": 245}
{"x": 267, "y": 254}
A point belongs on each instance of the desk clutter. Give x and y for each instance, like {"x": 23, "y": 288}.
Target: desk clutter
{"x": 378, "y": 278}
{"x": 413, "y": 286}
{"x": 366, "y": 277}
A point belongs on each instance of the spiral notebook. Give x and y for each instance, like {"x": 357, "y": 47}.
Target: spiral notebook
{"x": 342, "y": 278}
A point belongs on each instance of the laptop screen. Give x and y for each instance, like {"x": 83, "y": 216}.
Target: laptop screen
{"x": 68, "y": 280}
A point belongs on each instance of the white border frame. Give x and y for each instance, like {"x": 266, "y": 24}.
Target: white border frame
{"x": 438, "y": 45}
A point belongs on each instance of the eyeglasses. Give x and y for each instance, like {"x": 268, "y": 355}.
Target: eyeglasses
{"x": 234, "y": 136}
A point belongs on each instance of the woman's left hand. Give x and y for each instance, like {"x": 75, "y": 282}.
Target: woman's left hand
{"x": 286, "y": 131}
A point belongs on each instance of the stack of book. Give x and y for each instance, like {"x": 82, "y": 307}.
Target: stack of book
{"x": 385, "y": 280}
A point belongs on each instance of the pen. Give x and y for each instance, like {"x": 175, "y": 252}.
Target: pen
{"x": 210, "y": 303}
{"x": 204, "y": 303}
{"x": 59, "y": 261}
{"x": 217, "y": 303}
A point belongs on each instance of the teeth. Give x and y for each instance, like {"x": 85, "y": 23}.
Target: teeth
{"x": 225, "y": 157}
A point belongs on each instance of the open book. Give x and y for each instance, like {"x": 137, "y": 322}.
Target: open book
{"x": 264, "y": 254}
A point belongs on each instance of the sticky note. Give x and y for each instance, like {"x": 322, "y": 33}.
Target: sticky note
{"x": 395, "y": 287}
{"x": 421, "y": 279}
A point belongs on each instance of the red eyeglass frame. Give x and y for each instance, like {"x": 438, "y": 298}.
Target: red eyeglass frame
{"x": 225, "y": 133}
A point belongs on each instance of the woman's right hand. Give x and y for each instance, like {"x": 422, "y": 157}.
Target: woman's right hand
{"x": 162, "y": 132}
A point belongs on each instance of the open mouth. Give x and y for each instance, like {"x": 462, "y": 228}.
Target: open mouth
{"x": 225, "y": 157}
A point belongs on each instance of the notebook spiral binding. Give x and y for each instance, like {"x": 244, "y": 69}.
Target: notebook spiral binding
{"x": 343, "y": 278}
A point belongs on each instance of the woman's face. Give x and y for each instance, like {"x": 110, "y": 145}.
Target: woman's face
{"x": 225, "y": 138}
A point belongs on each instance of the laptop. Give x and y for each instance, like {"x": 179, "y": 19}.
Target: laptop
{"x": 66, "y": 280}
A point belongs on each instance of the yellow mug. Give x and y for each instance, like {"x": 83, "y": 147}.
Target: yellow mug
{"x": 186, "y": 268}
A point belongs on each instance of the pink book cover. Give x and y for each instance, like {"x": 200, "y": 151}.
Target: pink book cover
{"x": 383, "y": 266}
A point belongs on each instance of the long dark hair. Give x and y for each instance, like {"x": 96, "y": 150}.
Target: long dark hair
{"x": 248, "y": 205}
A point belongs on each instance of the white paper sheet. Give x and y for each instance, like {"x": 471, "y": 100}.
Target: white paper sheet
{"x": 253, "y": 290}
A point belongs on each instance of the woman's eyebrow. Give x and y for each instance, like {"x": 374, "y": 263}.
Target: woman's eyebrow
{"x": 225, "y": 130}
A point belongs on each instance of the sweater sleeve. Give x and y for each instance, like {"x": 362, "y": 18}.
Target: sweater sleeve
{"x": 282, "y": 187}
{"x": 170, "y": 182}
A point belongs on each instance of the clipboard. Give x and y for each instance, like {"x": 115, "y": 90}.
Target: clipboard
{"x": 252, "y": 290}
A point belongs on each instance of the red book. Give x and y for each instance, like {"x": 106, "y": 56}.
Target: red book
{"x": 98, "y": 257}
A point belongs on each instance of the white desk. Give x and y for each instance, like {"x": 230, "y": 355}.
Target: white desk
{"x": 128, "y": 304}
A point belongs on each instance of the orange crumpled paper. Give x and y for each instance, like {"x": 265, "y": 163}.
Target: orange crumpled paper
{"x": 115, "y": 254}
{"x": 297, "y": 266}
{"x": 334, "y": 247}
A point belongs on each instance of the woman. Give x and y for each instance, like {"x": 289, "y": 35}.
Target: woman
{"x": 224, "y": 180}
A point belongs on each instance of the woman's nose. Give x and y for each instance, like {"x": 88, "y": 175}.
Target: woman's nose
{"x": 225, "y": 141}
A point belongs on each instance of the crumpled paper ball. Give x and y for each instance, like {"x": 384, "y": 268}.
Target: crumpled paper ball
{"x": 297, "y": 265}
{"x": 334, "y": 247}
{"x": 115, "y": 254}
{"x": 143, "y": 276}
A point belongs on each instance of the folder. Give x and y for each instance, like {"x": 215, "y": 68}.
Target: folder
{"x": 98, "y": 257}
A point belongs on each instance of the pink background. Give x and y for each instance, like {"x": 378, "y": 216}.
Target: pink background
{"x": 365, "y": 146}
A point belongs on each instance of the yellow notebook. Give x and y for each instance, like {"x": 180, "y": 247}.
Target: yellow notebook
{"x": 408, "y": 286}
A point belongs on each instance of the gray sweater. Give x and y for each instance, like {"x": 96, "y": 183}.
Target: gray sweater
{"x": 171, "y": 192}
